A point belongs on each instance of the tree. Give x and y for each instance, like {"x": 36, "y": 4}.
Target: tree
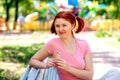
{"x": 47, "y": 0}
{"x": 16, "y": 14}
{"x": 21, "y": 6}
{"x": 115, "y": 3}
{"x": 7, "y": 6}
{"x": 24, "y": 7}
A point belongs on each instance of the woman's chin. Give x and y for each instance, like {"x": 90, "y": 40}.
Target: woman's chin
{"x": 62, "y": 37}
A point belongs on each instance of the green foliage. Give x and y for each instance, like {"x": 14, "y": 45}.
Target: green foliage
{"x": 101, "y": 12}
{"x": 46, "y": 0}
{"x": 103, "y": 34}
{"x": 7, "y": 75}
{"x": 23, "y": 7}
{"x": 118, "y": 38}
{"x": 14, "y": 58}
{"x": 114, "y": 14}
{"x": 18, "y": 53}
{"x": 11, "y": 71}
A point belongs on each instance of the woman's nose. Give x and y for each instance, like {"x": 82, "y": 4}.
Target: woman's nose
{"x": 61, "y": 28}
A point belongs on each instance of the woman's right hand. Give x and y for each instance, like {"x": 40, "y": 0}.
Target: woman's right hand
{"x": 50, "y": 63}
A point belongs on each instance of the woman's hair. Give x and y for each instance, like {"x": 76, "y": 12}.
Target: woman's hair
{"x": 79, "y": 23}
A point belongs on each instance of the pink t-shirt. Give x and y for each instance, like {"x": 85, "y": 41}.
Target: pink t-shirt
{"x": 76, "y": 60}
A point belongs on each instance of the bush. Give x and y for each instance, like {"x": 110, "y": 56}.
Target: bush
{"x": 118, "y": 38}
{"x": 103, "y": 34}
{"x": 11, "y": 71}
{"x": 18, "y": 53}
{"x": 14, "y": 58}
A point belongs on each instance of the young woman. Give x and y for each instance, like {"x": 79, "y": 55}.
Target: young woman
{"x": 75, "y": 59}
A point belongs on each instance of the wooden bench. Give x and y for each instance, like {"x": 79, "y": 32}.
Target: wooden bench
{"x": 32, "y": 73}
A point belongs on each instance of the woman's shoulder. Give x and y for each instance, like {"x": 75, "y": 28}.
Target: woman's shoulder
{"x": 81, "y": 40}
{"x": 54, "y": 40}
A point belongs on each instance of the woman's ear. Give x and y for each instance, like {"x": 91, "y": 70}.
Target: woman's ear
{"x": 73, "y": 26}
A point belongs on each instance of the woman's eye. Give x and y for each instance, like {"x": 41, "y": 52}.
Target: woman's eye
{"x": 56, "y": 25}
{"x": 64, "y": 25}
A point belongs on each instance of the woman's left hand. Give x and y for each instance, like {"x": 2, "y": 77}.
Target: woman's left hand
{"x": 62, "y": 64}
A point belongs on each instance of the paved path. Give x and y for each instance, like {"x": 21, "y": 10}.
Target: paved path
{"x": 105, "y": 56}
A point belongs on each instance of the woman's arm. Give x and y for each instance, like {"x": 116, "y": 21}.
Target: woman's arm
{"x": 86, "y": 74}
{"x": 36, "y": 60}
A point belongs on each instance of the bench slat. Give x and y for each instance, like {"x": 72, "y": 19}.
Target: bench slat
{"x": 25, "y": 75}
{"x": 40, "y": 74}
{"x": 32, "y": 74}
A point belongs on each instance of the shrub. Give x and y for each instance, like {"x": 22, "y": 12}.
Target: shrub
{"x": 13, "y": 60}
{"x": 118, "y": 38}
{"x": 103, "y": 34}
{"x": 18, "y": 53}
{"x": 11, "y": 71}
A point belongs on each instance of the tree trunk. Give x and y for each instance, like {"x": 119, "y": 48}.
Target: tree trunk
{"x": 7, "y": 16}
{"x": 118, "y": 10}
{"x": 16, "y": 14}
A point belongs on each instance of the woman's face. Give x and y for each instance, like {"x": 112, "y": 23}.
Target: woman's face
{"x": 63, "y": 28}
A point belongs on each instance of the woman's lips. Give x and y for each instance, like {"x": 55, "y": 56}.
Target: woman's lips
{"x": 61, "y": 32}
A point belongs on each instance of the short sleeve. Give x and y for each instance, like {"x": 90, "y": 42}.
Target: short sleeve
{"x": 50, "y": 47}
{"x": 87, "y": 48}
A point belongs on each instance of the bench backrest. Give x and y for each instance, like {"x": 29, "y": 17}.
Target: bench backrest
{"x": 40, "y": 74}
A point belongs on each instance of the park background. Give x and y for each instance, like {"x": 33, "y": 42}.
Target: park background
{"x": 24, "y": 28}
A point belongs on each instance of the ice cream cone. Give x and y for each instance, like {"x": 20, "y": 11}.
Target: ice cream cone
{"x": 57, "y": 55}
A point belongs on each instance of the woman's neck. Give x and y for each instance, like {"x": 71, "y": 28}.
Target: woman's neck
{"x": 68, "y": 40}
{"x": 69, "y": 45}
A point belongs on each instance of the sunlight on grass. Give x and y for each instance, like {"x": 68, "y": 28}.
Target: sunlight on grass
{"x": 116, "y": 44}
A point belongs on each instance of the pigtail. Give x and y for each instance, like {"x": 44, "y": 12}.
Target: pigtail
{"x": 79, "y": 24}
